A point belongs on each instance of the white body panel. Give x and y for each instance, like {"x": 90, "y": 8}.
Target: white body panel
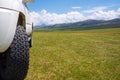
{"x": 9, "y": 13}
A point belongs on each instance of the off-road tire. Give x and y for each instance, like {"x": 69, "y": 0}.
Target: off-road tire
{"x": 16, "y": 61}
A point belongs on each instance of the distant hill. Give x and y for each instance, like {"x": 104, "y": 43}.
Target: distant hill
{"x": 88, "y": 24}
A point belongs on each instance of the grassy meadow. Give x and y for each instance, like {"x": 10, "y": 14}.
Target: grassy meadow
{"x": 75, "y": 55}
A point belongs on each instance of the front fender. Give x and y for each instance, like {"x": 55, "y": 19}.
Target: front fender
{"x": 16, "y": 5}
{"x": 8, "y": 23}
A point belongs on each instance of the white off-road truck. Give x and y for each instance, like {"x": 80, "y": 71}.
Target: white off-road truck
{"x": 15, "y": 39}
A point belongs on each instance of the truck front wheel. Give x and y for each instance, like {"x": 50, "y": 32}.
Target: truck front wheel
{"x": 15, "y": 60}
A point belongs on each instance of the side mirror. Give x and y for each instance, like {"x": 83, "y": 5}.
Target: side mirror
{"x": 28, "y": 1}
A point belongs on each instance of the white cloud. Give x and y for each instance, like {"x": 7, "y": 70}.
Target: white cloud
{"x": 76, "y": 7}
{"x": 99, "y": 13}
{"x": 118, "y": 10}
{"x": 44, "y": 17}
{"x": 95, "y": 9}
{"x": 106, "y": 15}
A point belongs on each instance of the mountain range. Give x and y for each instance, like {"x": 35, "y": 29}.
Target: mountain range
{"x": 87, "y": 24}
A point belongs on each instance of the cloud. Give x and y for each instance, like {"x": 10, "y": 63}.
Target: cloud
{"x": 105, "y": 15}
{"x": 98, "y": 13}
{"x": 95, "y": 9}
{"x": 44, "y": 17}
{"x": 101, "y": 13}
{"x": 76, "y": 7}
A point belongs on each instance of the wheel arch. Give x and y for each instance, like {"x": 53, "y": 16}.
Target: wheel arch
{"x": 28, "y": 28}
{"x": 21, "y": 20}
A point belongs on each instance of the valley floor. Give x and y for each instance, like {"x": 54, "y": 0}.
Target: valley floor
{"x": 75, "y": 55}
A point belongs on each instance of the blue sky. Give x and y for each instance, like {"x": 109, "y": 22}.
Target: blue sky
{"x": 84, "y": 7}
{"x": 63, "y": 6}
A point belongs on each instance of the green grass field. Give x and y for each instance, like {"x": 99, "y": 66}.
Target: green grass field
{"x": 75, "y": 55}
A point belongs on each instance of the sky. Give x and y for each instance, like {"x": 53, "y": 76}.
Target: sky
{"x": 49, "y": 12}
